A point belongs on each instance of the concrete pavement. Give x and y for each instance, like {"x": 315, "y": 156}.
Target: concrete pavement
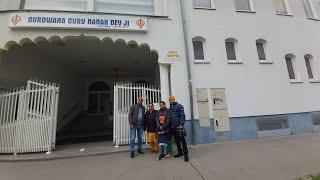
{"x": 282, "y": 158}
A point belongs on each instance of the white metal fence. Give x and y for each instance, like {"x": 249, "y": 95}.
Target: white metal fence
{"x": 125, "y": 95}
{"x": 28, "y": 118}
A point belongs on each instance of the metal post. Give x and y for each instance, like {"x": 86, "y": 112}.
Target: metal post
{"x": 185, "y": 35}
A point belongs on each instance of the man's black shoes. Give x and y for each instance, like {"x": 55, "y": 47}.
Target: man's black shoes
{"x": 140, "y": 152}
{"x": 178, "y": 155}
{"x": 186, "y": 158}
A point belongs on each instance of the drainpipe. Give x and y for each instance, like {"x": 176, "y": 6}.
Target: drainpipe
{"x": 185, "y": 36}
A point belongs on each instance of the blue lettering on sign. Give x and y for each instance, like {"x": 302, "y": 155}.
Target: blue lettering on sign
{"x": 46, "y": 20}
{"x": 101, "y": 22}
{"x": 76, "y": 21}
{"x": 116, "y": 22}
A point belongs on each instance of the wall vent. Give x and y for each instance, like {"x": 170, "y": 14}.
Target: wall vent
{"x": 272, "y": 124}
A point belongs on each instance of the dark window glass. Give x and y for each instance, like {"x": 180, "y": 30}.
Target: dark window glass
{"x": 198, "y": 50}
{"x": 261, "y": 53}
{"x": 309, "y": 68}
{"x": 290, "y": 68}
{"x": 231, "y": 52}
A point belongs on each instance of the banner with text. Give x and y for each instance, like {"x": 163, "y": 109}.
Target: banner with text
{"x": 84, "y": 21}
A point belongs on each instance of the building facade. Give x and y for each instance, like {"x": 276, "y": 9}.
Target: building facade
{"x": 253, "y": 66}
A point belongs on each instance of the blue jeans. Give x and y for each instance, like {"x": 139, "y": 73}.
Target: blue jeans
{"x": 133, "y": 137}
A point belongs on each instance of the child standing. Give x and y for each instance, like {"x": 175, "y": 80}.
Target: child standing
{"x": 163, "y": 127}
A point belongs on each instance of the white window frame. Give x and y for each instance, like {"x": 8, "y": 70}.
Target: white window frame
{"x": 315, "y": 78}
{"x": 236, "y": 49}
{"x": 266, "y": 52}
{"x": 295, "y": 69}
{"x": 312, "y": 6}
{"x": 204, "y": 46}
{"x": 287, "y": 6}
{"x": 211, "y": 8}
{"x": 251, "y": 4}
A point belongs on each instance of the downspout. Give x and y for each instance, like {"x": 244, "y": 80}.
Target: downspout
{"x": 185, "y": 36}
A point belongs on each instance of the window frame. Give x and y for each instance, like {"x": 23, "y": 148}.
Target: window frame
{"x": 205, "y": 56}
{"x": 287, "y": 6}
{"x": 297, "y": 76}
{"x": 91, "y": 7}
{"x": 251, "y": 4}
{"x": 266, "y": 52}
{"x": 211, "y": 8}
{"x": 315, "y": 78}
{"x": 312, "y": 8}
{"x": 236, "y": 51}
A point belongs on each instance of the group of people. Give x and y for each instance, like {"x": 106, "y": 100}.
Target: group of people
{"x": 161, "y": 125}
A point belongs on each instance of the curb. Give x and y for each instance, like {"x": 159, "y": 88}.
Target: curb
{"x": 43, "y": 158}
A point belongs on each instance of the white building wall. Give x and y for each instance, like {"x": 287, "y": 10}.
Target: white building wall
{"x": 164, "y": 34}
{"x": 254, "y": 89}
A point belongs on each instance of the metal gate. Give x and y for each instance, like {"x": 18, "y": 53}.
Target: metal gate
{"x": 125, "y": 95}
{"x": 28, "y": 118}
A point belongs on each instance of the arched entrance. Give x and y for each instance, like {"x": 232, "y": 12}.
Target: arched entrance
{"x": 86, "y": 69}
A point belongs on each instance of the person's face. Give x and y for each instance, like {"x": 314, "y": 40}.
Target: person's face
{"x": 140, "y": 101}
{"x": 151, "y": 108}
{"x": 162, "y": 106}
{"x": 171, "y": 101}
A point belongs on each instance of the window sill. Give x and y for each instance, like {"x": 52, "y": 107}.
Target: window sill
{"x": 265, "y": 62}
{"x": 295, "y": 81}
{"x": 235, "y": 62}
{"x": 201, "y": 62}
{"x": 314, "y": 19}
{"x": 314, "y": 80}
{"x": 282, "y": 14}
{"x": 204, "y": 8}
{"x": 246, "y": 11}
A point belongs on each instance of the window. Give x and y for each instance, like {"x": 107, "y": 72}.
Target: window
{"x": 308, "y": 8}
{"x": 99, "y": 98}
{"x": 308, "y": 59}
{"x": 281, "y": 7}
{"x": 243, "y": 5}
{"x": 198, "y": 50}
{"x": 231, "y": 49}
{"x": 9, "y": 4}
{"x": 202, "y": 4}
{"x": 64, "y": 5}
{"x": 290, "y": 67}
{"x": 143, "y": 7}
{"x": 139, "y": 7}
{"x": 261, "y": 52}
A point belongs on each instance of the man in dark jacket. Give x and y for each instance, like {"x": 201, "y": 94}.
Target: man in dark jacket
{"x": 177, "y": 118}
{"x": 150, "y": 125}
{"x": 136, "y": 121}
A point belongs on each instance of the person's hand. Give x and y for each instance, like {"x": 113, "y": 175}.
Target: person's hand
{"x": 180, "y": 127}
{"x": 131, "y": 126}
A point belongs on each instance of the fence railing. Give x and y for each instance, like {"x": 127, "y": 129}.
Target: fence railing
{"x": 125, "y": 95}
{"x": 28, "y": 118}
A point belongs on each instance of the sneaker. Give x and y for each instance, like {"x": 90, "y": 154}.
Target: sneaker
{"x": 140, "y": 152}
{"x": 161, "y": 157}
{"x": 168, "y": 155}
{"x": 178, "y": 155}
{"x": 132, "y": 155}
{"x": 186, "y": 158}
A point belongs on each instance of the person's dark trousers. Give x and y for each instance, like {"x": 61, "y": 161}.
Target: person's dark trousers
{"x": 181, "y": 144}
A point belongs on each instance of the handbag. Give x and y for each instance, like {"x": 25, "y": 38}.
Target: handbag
{"x": 182, "y": 132}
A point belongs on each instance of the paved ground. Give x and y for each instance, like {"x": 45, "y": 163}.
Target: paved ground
{"x": 283, "y": 158}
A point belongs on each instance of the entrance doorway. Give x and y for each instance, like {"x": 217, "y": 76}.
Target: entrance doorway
{"x": 86, "y": 68}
